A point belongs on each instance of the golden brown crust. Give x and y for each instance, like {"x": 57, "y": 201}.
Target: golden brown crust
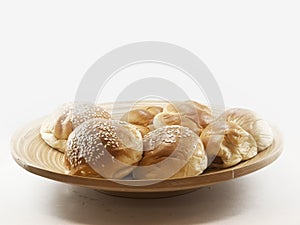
{"x": 171, "y": 152}
{"x": 253, "y": 124}
{"x": 143, "y": 129}
{"x": 138, "y": 117}
{"x": 57, "y": 127}
{"x": 189, "y": 114}
{"x": 168, "y": 119}
{"x": 229, "y": 142}
{"x": 106, "y": 148}
{"x": 142, "y": 118}
{"x": 199, "y": 113}
{"x": 153, "y": 109}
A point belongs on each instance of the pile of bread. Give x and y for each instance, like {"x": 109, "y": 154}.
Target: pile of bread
{"x": 178, "y": 140}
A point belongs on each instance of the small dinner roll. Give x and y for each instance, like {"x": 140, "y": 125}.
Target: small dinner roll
{"x": 57, "y": 127}
{"x": 253, "y": 124}
{"x": 228, "y": 142}
{"x": 171, "y": 152}
{"x": 103, "y": 148}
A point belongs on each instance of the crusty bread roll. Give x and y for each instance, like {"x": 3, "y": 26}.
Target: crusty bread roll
{"x": 188, "y": 114}
{"x": 153, "y": 109}
{"x": 138, "y": 117}
{"x": 143, "y": 129}
{"x": 199, "y": 113}
{"x": 171, "y": 152}
{"x": 142, "y": 118}
{"x": 57, "y": 127}
{"x": 168, "y": 119}
{"x": 228, "y": 142}
{"x": 253, "y": 124}
{"x": 103, "y": 148}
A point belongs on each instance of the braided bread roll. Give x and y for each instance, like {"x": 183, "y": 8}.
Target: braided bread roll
{"x": 142, "y": 118}
{"x": 171, "y": 152}
{"x": 190, "y": 114}
{"x": 237, "y": 135}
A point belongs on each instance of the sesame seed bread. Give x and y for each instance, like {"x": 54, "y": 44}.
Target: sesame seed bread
{"x": 103, "y": 148}
{"x": 57, "y": 127}
{"x": 171, "y": 152}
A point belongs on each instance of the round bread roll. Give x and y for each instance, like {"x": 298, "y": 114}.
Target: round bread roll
{"x": 200, "y": 114}
{"x": 57, "y": 127}
{"x": 253, "y": 124}
{"x": 103, "y": 148}
{"x": 227, "y": 144}
{"x": 171, "y": 152}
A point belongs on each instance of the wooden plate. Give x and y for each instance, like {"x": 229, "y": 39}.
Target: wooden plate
{"x": 31, "y": 153}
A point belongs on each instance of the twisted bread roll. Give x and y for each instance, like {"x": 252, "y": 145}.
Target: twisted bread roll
{"x": 171, "y": 152}
{"x": 253, "y": 124}
{"x": 168, "y": 119}
{"x": 142, "y": 118}
{"x": 143, "y": 129}
{"x": 106, "y": 148}
{"x": 56, "y": 128}
{"x": 153, "y": 109}
{"x": 237, "y": 135}
{"x": 229, "y": 142}
{"x": 190, "y": 114}
{"x": 138, "y": 117}
{"x": 200, "y": 114}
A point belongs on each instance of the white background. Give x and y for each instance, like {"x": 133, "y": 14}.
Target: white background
{"x": 251, "y": 47}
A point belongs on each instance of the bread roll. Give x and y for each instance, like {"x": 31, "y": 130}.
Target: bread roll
{"x": 142, "y": 118}
{"x": 151, "y": 127}
{"x": 171, "y": 152}
{"x": 200, "y": 114}
{"x": 142, "y": 129}
{"x": 57, "y": 127}
{"x": 229, "y": 142}
{"x": 103, "y": 148}
{"x": 168, "y": 119}
{"x": 153, "y": 109}
{"x": 138, "y": 117}
{"x": 253, "y": 124}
